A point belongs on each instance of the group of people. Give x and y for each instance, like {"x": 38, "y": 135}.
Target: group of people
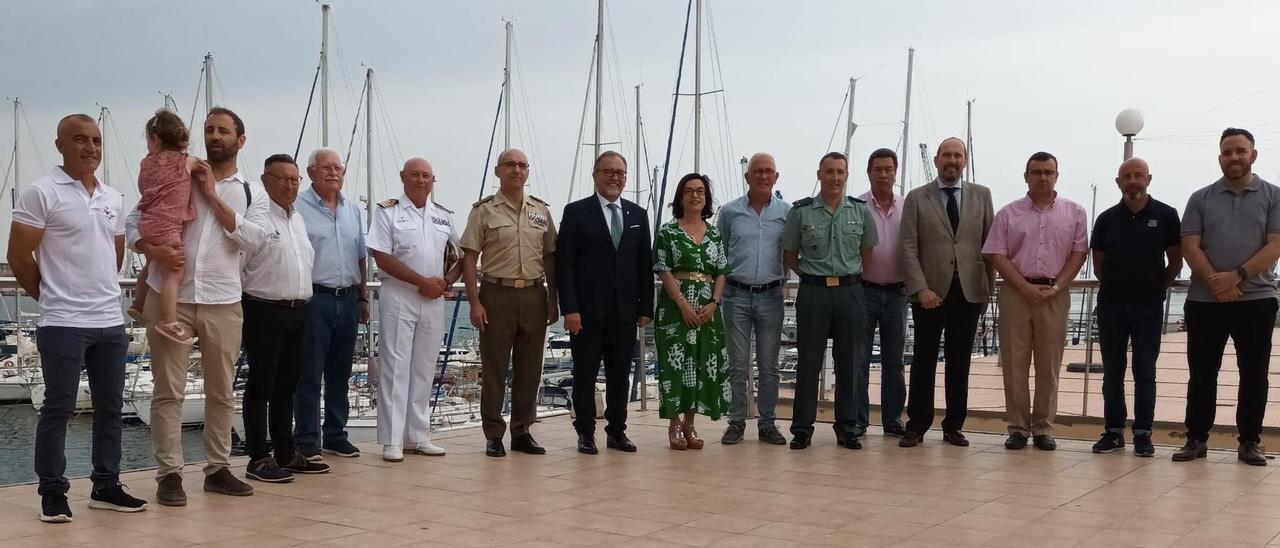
{"x": 282, "y": 271}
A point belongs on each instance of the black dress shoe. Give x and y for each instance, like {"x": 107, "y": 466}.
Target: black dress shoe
{"x": 587, "y": 444}
{"x": 1249, "y": 453}
{"x": 1044, "y": 442}
{"x": 620, "y": 442}
{"x": 1194, "y": 449}
{"x": 494, "y": 448}
{"x": 1016, "y": 441}
{"x": 955, "y": 437}
{"x": 799, "y": 441}
{"x": 911, "y": 439}
{"x": 895, "y": 430}
{"x": 525, "y": 444}
{"x": 849, "y": 440}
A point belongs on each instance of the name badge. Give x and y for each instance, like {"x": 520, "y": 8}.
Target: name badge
{"x": 440, "y": 222}
{"x": 1151, "y": 223}
{"x": 537, "y": 219}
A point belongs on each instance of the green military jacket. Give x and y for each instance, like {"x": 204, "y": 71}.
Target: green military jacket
{"x": 829, "y": 243}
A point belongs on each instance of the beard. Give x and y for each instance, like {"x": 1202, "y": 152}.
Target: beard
{"x": 221, "y": 153}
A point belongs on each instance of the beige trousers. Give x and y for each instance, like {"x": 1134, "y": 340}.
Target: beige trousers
{"x": 1031, "y": 333}
{"x": 218, "y": 327}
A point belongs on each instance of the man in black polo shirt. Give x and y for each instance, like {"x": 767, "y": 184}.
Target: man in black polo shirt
{"x": 1136, "y": 254}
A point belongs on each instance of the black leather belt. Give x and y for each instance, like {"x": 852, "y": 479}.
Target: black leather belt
{"x": 1040, "y": 281}
{"x": 829, "y": 281}
{"x": 287, "y": 303}
{"x": 884, "y": 287}
{"x": 335, "y": 291}
{"x": 753, "y": 288}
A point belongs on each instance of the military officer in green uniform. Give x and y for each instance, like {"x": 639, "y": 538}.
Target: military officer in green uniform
{"x": 513, "y": 299}
{"x": 826, "y": 240}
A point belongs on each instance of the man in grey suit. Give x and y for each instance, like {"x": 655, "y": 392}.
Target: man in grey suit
{"x": 944, "y": 225}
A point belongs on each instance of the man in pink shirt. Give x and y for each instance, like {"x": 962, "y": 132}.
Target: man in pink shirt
{"x": 1038, "y": 244}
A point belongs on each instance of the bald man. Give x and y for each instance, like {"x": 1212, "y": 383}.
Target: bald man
{"x": 410, "y": 238}
{"x": 512, "y": 298}
{"x": 1136, "y": 255}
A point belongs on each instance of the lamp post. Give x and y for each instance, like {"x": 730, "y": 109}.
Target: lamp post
{"x": 1129, "y": 122}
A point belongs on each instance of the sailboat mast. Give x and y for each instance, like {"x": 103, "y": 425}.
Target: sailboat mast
{"x": 506, "y": 94}
{"x": 968, "y": 139}
{"x": 906, "y": 121}
{"x": 697, "y": 89}
{"x": 17, "y": 175}
{"x": 102, "y": 153}
{"x": 324, "y": 75}
{"x": 850, "y": 127}
{"x": 208, "y": 83}
{"x": 599, "y": 72}
{"x": 636, "y": 159}
{"x": 368, "y": 143}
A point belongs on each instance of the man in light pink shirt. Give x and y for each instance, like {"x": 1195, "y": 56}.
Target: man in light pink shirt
{"x": 1038, "y": 244}
{"x": 884, "y": 300}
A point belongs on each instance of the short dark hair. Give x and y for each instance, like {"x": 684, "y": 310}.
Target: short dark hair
{"x": 278, "y": 159}
{"x": 834, "y": 156}
{"x": 1041, "y": 156}
{"x": 227, "y": 112}
{"x": 1233, "y": 131}
{"x": 882, "y": 153}
{"x": 677, "y": 202}
{"x": 609, "y": 154}
{"x": 168, "y": 129}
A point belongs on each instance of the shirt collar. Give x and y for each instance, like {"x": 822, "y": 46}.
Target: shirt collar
{"x": 60, "y": 177}
{"x": 605, "y": 202}
{"x": 818, "y": 202}
{"x": 279, "y": 211}
{"x": 1032, "y": 204}
{"x": 501, "y": 199}
{"x": 1221, "y": 184}
{"x": 311, "y": 194}
{"x": 959, "y": 183}
{"x": 871, "y": 200}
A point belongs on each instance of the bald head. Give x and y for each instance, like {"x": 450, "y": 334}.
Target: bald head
{"x": 1132, "y": 179}
{"x": 951, "y": 159}
{"x": 512, "y": 171}
{"x": 79, "y": 142}
{"x": 418, "y": 179}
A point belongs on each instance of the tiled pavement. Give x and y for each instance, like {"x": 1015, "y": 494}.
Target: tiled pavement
{"x": 744, "y": 495}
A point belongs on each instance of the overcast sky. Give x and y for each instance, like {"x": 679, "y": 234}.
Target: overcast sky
{"x": 1045, "y": 76}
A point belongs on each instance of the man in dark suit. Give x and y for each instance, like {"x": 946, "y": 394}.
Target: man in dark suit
{"x": 605, "y": 277}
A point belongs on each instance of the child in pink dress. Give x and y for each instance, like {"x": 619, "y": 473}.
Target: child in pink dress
{"x": 165, "y": 207}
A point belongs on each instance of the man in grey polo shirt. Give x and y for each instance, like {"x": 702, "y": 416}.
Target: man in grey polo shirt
{"x": 751, "y": 227}
{"x": 1231, "y": 240}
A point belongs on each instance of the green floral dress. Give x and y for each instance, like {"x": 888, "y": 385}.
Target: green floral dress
{"x": 693, "y": 365}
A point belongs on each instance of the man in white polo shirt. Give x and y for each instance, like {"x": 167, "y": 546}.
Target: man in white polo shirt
{"x": 66, "y": 244}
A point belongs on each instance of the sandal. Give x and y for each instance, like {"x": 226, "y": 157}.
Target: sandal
{"x": 175, "y": 332}
{"x": 675, "y": 437}
{"x": 691, "y": 438}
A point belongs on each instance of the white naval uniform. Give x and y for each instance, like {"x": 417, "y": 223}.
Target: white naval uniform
{"x": 411, "y": 327}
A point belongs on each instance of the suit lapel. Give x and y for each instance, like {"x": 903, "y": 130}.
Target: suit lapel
{"x": 936, "y": 198}
{"x": 968, "y": 207}
{"x": 602, "y": 226}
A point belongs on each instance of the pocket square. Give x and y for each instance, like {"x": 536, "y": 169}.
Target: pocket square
{"x": 634, "y": 226}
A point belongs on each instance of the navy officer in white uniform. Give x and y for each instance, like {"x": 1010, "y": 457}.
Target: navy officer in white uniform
{"x": 409, "y": 238}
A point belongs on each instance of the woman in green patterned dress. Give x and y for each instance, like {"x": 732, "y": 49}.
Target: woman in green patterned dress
{"x": 689, "y": 331}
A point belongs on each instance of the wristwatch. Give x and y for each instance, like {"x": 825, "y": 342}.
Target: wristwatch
{"x": 1240, "y": 271}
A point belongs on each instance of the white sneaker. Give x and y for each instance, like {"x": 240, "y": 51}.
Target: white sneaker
{"x": 424, "y": 448}
{"x": 392, "y": 453}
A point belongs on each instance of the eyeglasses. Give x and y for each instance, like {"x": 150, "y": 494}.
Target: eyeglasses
{"x": 762, "y": 172}
{"x": 1042, "y": 172}
{"x": 290, "y": 180}
{"x": 515, "y": 164}
{"x": 612, "y": 173}
{"x": 695, "y": 192}
{"x": 328, "y": 168}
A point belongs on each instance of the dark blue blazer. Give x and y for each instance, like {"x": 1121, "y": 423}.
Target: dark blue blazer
{"x": 596, "y": 280}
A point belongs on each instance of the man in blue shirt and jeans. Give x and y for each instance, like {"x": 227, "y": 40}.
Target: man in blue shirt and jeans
{"x": 751, "y": 227}
{"x": 1136, "y": 255}
{"x": 340, "y": 302}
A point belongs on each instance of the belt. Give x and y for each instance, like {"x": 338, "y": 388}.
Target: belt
{"x": 512, "y": 282}
{"x": 884, "y": 287}
{"x": 753, "y": 288}
{"x": 335, "y": 291}
{"x": 829, "y": 281}
{"x": 1040, "y": 281}
{"x": 695, "y": 276}
{"x": 287, "y": 303}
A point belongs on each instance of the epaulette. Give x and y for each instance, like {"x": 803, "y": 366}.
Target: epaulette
{"x": 539, "y": 200}
{"x": 388, "y": 202}
{"x": 483, "y": 200}
{"x": 446, "y": 210}
{"x": 856, "y": 200}
{"x": 803, "y": 202}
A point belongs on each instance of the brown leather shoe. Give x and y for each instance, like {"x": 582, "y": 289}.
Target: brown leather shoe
{"x": 169, "y": 491}
{"x": 224, "y": 482}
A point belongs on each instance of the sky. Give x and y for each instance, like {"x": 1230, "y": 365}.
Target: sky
{"x": 1043, "y": 76}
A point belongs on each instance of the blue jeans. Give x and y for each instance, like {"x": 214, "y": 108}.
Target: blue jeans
{"x": 888, "y": 310}
{"x": 759, "y": 313}
{"x": 329, "y": 347}
{"x": 1118, "y": 325}
{"x": 64, "y": 351}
